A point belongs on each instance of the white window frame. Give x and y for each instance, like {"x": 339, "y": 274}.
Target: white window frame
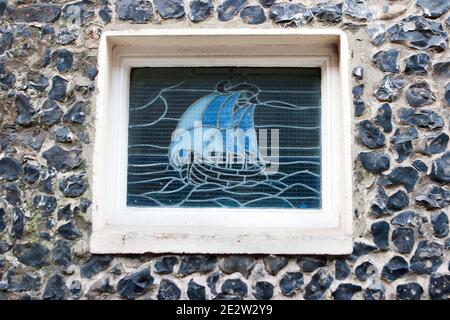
{"x": 121, "y": 229}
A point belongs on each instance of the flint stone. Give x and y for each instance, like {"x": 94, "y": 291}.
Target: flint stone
{"x": 447, "y": 94}
{"x": 76, "y": 113}
{"x": 375, "y": 162}
{"x": 78, "y": 11}
{"x": 427, "y": 257}
{"x": 199, "y": 10}
{"x": 165, "y": 265}
{"x": 360, "y": 106}
{"x": 409, "y": 291}
{"x": 64, "y": 135}
{"x": 342, "y": 270}
{"x": 39, "y": 12}
{"x": 10, "y": 169}
{"x": 12, "y": 193}
{"x": 40, "y": 83}
{"x": 345, "y": 291}
{"x": 63, "y": 160}
{"x": 390, "y": 88}
{"x": 358, "y": 10}
{"x": 403, "y": 239}
{"x": 168, "y": 290}
{"x": 320, "y": 282}
{"x": 290, "y": 283}
{"x": 196, "y": 263}
{"x": 357, "y": 91}
{"x": 434, "y": 197}
{"x": 419, "y": 94}
{"x": 33, "y": 254}
{"x": 426, "y": 34}
{"x": 25, "y": 111}
{"x": 386, "y": 61}
{"x": 290, "y": 14}
{"x": 436, "y": 143}
{"x": 237, "y": 263}
{"x": 59, "y": 89}
{"x": 328, "y": 12}
{"x": 440, "y": 169}
{"x": 439, "y": 221}
{"x": 55, "y": 288}
{"x": 73, "y": 186}
{"x": 95, "y": 265}
{"x": 138, "y": 11}
{"x": 398, "y": 201}
{"x": 170, "y": 8}
{"x": 380, "y": 232}
{"x": 263, "y": 290}
{"x": 46, "y": 204}
{"x": 420, "y": 165}
{"x": 402, "y": 141}
{"x": 439, "y": 287}
{"x": 211, "y": 281}
{"x": 361, "y": 249}
{"x": 234, "y": 287}
{"x": 405, "y": 176}
{"x": 273, "y": 264}
{"x": 20, "y": 283}
{"x": 434, "y": 8}
{"x": 377, "y": 33}
{"x": 69, "y": 231}
{"x": 365, "y": 270}
{"x": 374, "y": 292}
{"x": 253, "y": 15}
{"x": 2, "y": 221}
{"x": 4, "y": 247}
{"x": 30, "y": 173}
{"x": 102, "y": 285}
{"x": 227, "y": 9}
{"x": 61, "y": 254}
{"x": 358, "y": 72}
{"x": 105, "y": 14}
{"x": 17, "y": 223}
{"x": 384, "y": 117}
{"x": 311, "y": 263}
{"x": 196, "y": 291}
{"x": 417, "y": 64}
{"x": 64, "y": 59}
{"x": 6, "y": 42}
{"x": 370, "y": 135}
{"x": 50, "y": 113}
{"x": 423, "y": 118}
{"x": 266, "y": 3}
{"x": 66, "y": 36}
{"x": 396, "y": 268}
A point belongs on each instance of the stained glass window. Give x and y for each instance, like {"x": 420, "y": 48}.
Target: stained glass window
{"x": 225, "y": 137}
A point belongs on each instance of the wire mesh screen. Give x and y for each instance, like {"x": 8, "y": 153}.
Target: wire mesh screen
{"x": 225, "y": 137}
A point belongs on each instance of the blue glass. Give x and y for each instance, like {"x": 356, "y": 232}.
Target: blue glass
{"x": 225, "y": 137}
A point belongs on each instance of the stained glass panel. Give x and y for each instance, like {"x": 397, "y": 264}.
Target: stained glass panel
{"x": 224, "y": 137}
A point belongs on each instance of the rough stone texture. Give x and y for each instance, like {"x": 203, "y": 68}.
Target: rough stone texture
{"x": 401, "y": 92}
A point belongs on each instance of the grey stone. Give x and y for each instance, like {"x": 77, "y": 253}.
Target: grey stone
{"x": 253, "y": 15}
{"x": 396, "y": 268}
{"x": 46, "y": 179}
{"x": 69, "y": 231}
{"x": 405, "y": 176}
{"x": 439, "y": 221}
{"x": 417, "y": 64}
{"x": 66, "y": 36}
{"x": 434, "y": 8}
{"x": 168, "y": 290}
{"x": 409, "y": 291}
{"x": 377, "y": 33}
{"x": 311, "y": 263}
{"x": 358, "y": 72}
{"x": 427, "y": 258}
{"x": 12, "y": 193}
{"x": 50, "y": 113}
{"x": 447, "y": 94}
{"x": 17, "y": 225}
{"x": 61, "y": 254}
{"x": 105, "y": 14}
{"x": 73, "y": 186}
{"x": 4, "y": 247}
{"x": 384, "y": 117}
{"x": 420, "y": 165}
{"x": 211, "y": 281}
{"x": 58, "y": 90}
{"x": 273, "y": 264}
{"x": 196, "y": 291}
{"x": 65, "y": 213}
{"x": 7, "y": 79}
{"x": 2, "y": 220}
{"x": 380, "y": 233}
{"x": 30, "y": 173}
{"x": 320, "y": 282}
{"x": 328, "y": 12}
{"x": 165, "y": 265}
{"x": 423, "y": 118}
{"x": 357, "y": 91}
{"x": 95, "y": 265}
{"x": 55, "y": 289}
{"x": 138, "y": 11}
{"x": 38, "y": 12}
{"x": 375, "y": 162}
{"x": 374, "y": 292}
{"x": 196, "y": 263}
{"x": 33, "y": 254}
{"x": 10, "y": 169}
{"x": 40, "y": 83}
{"x": 365, "y": 270}
{"x": 419, "y": 94}
{"x": 370, "y": 135}
{"x": 3, "y": 6}
{"x": 102, "y": 285}
{"x": 379, "y": 205}
{"x": 447, "y": 244}
{"x": 436, "y": 143}
{"x": 266, "y": 3}
{"x": 398, "y": 201}
{"x": 228, "y": 9}
{"x": 24, "y": 109}
{"x": 46, "y": 204}
{"x": 77, "y": 12}
{"x": 22, "y": 282}
{"x": 234, "y": 287}
{"x": 402, "y": 141}
{"x": 263, "y": 290}
{"x": 440, "y": 169}
{"x": 390, "y": 88}
{"x": 290, "y": 14}
{"x": 237, "y": 263}
{"x": 358, "y": 10}
{"x": 345, "y": 291}
{"x": 360, "y": 107}
{"x": 290, "y": 283}
{"x": 361, "y": 249}
{"x": 6, "y": 42}
{"x": 64, "y": 59}
{"x": 342, "y": 270}
{"x": 439, "y": 287}
{"x": 386, "y": 61}
{"x": 64, "y": 135}
{"x": 170, "y": 8}
{"x": 33, "y": 138}
{"x": 76, "y": 114}
{"x": 199, "y": 10}
{"x": 63, "y": 160}
{"x": 434, "y": 197}
{"x": 420, "y": 33}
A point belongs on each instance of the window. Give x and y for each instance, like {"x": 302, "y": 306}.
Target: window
{"x": 222, "y": 141}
